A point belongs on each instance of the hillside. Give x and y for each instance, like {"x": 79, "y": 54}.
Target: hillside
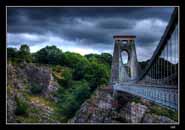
{"x": 51, "y": 86}
{"x": 26, "y": 102}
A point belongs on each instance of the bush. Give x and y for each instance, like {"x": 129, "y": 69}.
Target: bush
{"x": 80, "y": 70}
{"x": 69, "y": 106}
{"x": 72, "y": 98}
{"x": 24, "y": 55}
{"x": 158, "y": 110}
{"x": 36, "y": 89}
{"x": 21, "y": 108}
{"x": 97, "y": 75}
{"x": 66, "y": 78}
{"x": 57, "y": 68}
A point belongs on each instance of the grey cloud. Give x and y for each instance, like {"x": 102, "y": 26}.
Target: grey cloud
{"x": 115, "y": 23}
{"x": 93, "y": 27}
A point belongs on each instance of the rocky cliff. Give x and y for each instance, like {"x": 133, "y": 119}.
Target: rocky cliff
{"x": 31, "y": 98}
{"x": 22, "y": 104}
{"x": 103, "y": 107}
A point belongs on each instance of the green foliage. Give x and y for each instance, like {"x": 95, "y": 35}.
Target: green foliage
{"x": 35, "y": 88}
{"x": 77, "y": 75}
{"x": 21, "y": 55}
{"x": 11, "y": 55}
{"x": 104, "y": 58}
{"x": 81, "y": 90}
{"x": 48, "y": 55}
{"x": 136, "y": 100}
{"x": 72, "y": 98}
{"x": 57, "y": 68}
{"x": 158, "y": 110}
{"x": 80, "y": 69}
{"x": 71, "y": 59}
{"x": 69, "y": 106}
{"x": 97, "y": 74}
{"x": 24, "y": 54}
{"x": 66, "y": 78}
{"x": 24, "y": 48}
{"x": 11, "y": 52}
{"x": 22, "y": 107}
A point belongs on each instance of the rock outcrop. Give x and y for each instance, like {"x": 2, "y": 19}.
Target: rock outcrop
{"x": 152, "y": 118}
{"x": 97, "y": 109}
{"x": 19, "y": 80}
{"x": 103, "y": 107}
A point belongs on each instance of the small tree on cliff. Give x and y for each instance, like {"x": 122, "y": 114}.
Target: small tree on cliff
{"x": 24, "y": 54}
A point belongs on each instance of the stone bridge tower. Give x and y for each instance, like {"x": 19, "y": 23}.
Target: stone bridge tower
{"x": 119, "y": 72}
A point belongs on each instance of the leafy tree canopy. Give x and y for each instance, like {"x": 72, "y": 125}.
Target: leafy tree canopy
{"x": 49, "y": 55}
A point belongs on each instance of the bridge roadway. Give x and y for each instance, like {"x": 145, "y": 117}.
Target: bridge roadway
{"x": 166, "y": 96}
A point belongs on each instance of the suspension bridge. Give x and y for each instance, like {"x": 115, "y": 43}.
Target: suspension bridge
{"x": 158, "y": 81}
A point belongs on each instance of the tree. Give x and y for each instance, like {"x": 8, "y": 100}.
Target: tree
{"x": 66, "y": 78}
{"x": 71, "y": 59}
{"x": 24, "y": 48}
{"x": 70, "y": 100}
{"x": 49, "y": 55}
{"x": 21, "y": 106}
{"x": 80, "y": 69}
{"x": 11, "y": 54}
{"x": 97, "y": 74}
{"x": 24, "y": 54}
{"x": 106, "y": 58}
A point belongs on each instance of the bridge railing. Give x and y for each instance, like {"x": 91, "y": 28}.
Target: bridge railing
{"x": 162, "y": 69}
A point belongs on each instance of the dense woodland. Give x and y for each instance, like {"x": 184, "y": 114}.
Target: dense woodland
{"x": 77, "y": 75}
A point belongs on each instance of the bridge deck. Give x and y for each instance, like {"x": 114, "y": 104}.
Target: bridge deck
{"x": 160, "y": 95}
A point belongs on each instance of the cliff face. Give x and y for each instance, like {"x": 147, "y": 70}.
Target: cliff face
{"x": 38, "y": 105}
{"x": 22, "y": 104}
{"x": 97, "y": 109}
{"x": 103, "y": 107}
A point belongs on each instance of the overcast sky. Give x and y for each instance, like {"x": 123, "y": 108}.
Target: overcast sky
{"x": 86, "y": 29}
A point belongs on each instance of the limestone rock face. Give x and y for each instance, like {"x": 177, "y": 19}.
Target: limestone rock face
{"x": 152, "y": 118}
{"x": 95, "y": 110}
{"x": 11, "y": 104}
{"x": 102, "y": 107}
{"x": 19, "y": 79}
{"x": 41, "y": 75}
{"x": 11, "y": 107}
{"x": 133, "y": 112}
{"x": 38, "y": 75}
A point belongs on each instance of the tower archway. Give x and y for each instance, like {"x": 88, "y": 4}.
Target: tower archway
{"x": 130, "y": 70}
{"x": 124, "y": 61}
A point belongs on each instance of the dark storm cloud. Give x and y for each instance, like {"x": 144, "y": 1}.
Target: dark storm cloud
{"x": 115, "y": 23}
{"x": 46, "y": 13}
{"x": 89, "y": 26}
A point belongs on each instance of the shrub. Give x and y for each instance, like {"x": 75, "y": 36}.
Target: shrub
{"x": 72, "y": 98}
{"x": 36, "y": 89}
{"x": 66, "y": 78}
{"x": 158, "y": 110}
{"x": 136, "y": 100}
{"x": 97, "y": 75}
{"x": 22, "y": 107}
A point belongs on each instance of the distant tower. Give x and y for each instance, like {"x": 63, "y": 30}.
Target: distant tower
{"x": 119, "y": 73}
